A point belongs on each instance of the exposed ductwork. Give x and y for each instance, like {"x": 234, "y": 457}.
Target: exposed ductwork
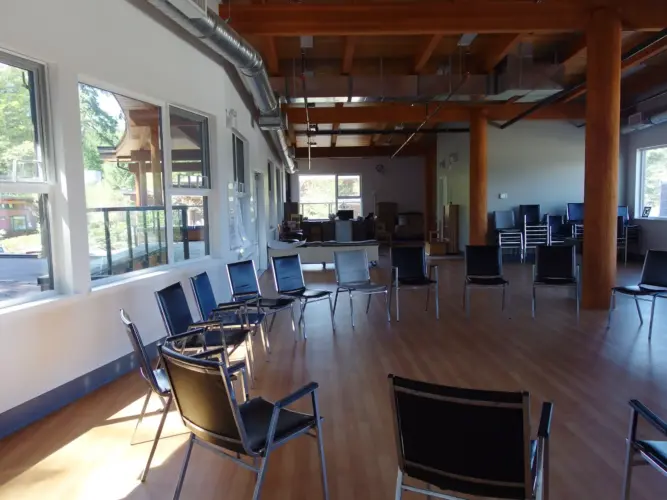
{"x": 222, "y": 39}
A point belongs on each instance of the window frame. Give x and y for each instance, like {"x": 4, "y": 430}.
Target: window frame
{"x": 337, "y": 197}
{"x": 641, "y": 182}
{"x": 45, "y": 187}
{"x": 206, "y": 143}
{"x": 236, "y": 136}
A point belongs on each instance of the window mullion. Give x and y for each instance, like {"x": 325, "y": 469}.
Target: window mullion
{"x": 168, "y": 182}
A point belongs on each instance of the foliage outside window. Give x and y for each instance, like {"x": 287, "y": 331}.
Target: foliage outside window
{"x": 189, "y": 149}
{"x": 123, "y": 164}
{"x": 25, "y": 260}
{"x": 190, "y": 221}
{"x": 654, "y": 181}
{"x": 323, "y": 195}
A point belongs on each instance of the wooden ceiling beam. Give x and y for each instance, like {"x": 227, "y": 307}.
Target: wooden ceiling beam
{"x": 405, "y": 113}
{"x": 431, "y": 18}
{"x": 348, "y": 55}
{"x": 358, "y": 152}
{"x": 271, "y": 56}
{"x": 576, "y": 49}
{"x": 425, "y": 51}
{"x": 643, "y": 82}
{"x": 500, "y": 48}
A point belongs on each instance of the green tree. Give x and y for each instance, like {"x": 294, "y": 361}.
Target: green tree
{"x": 655, "y": 175}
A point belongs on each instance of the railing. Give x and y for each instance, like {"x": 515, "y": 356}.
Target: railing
{"x": 317, "y": 210}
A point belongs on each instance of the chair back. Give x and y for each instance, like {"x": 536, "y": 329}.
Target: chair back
{"x": 620, "y": 227}
{"x": 410, "y": 261}
{"x": 624, "y": 212}
{"x": 654, "y": 272}
{"x": 174, "y": 309}
{"x": 555, "y": 262}
{"x": 503, "y": 219}
{"x": 555, "y": 223}
{"x": 484, "y": 261}
{"x": 575, "y": 212}
{"x": 465, "y": 440}
{"x": 243, "y": 280}
{"x": 204, "y": 296}
{"x": 529, "y": 214}
{"x": 352, "y": 267}
{"x": 205, "y": 398}
{"x": 287, "y": 273}
{"x": 145, "y": 366}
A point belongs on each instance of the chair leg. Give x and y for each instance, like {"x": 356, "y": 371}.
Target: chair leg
{"x": 387, "y": 305}
{"x": 398, "y": 307}
{"x": 336, "y": 299}
{"x": 428, "y": 296}
{"x": 291, "y": 311}
{"x": 273, "y": 320}
{"x": 639, "y": 311}
{"x": 351, "y": 308}
{"x": 629, "y": 455}
{"x": 504, "y": 290}
{"x": 249, "y": 363}
{"x": 399, "y": 485}
{"x": 184, "y": 469}
{"x": 534, "y": 302}
{"x": 302, "y": 319}
{"x": 368, "y": 305}
{"x": 141, "y": 415}
{"x": 650, "y": 324}
{"x": 576, "y": 290}
{"x": 260, "y": 477}
{"x": 333, "y": 322}
{"x": 265, "y": 341}
{"x": 165, "y": 412}
{"x": 320, "y": 446}
{"x": 466, "y": 299}
{"x": 612, "y": 302}
{"x": 437, "y": 298}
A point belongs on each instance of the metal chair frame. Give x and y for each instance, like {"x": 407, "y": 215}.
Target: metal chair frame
{"x": 575, "y": 285}
{"x": 355, "y": 288}
{"x": 303, "y": 301}
{"x": 428, "y": 274}
{"x": 271, "y": 444}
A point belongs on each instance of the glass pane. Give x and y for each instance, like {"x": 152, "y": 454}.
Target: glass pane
{"x": 190, "y": 219}
{"x": 655, "y": 181}
{"x": 351, "y": 204}
{"x": 317, "y": 196}
{"x": 349, "y": 185}
{"x": 25, "y": 266}
{"x": 239, "y": 162}
{"x": 122, "y": 151}
{"x": 20, "y": 153}
{"x": 189, "y": 154}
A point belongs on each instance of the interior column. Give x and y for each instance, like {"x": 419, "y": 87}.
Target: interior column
{"x": 603, "y": 109}
{"x": 478, "y": 178}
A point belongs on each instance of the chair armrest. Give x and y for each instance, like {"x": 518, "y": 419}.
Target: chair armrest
{"x": 230, "y": 306}
{"x": 649, "y": 416}
{"x": 295, "y": 396}
{"x": 209, "y": 352}
{"x": 205, "y": 324}
{"x": 545, "y": 420}
{"x": 236, "y": 367}
{"x": 189, "y": 333}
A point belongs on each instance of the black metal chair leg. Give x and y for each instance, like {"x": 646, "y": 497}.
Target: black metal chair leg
{"x": 650, "y": 324}
{"x": 184, "y": 469}
{"x": 141, "y": 415}
{"x": 639, "y": 311}
{"x": 368, "y": 305}
{"x": 273, "y": 320}
{"x": 165, "y": 412}
{"x": 336, "y": 300}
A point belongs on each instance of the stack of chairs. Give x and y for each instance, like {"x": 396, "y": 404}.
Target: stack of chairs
{"x": 509, "y": 237}
{"x": 535, "y": 232}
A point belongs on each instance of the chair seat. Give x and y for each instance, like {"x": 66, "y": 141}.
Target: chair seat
{"x": 275, "y": 303}
{"x": 416, "y": 281}
{"x": 306, "y": 293}
{"x": 162, "y": 381}
{"x": 555, "y": 281}
{"x": 230, "y": 319}
{"x": 654, "y": 450}
{"x": 256, "y": 415}
{"x": 638, "y": 290}
{"x": 363, "y": 287}
{"x": 232, "y": 338}
{"x": 493, "y": 281}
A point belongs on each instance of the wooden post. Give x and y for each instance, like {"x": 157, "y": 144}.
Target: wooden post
{"x": 156, "y": 167}
{"x": 430, "y": 187}
{"x": 478, "y": 178}
{"x": 603, "y": 103}
{"x": 142, "y": 201}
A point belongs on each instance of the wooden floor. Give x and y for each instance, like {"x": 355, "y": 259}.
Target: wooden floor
{"x": 83, "y": 451}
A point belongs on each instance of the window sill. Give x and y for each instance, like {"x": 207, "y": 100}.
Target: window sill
{"x": 664, "y": 219}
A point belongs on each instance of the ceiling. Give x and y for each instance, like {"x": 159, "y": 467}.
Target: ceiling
{"x": 401, "y": 62}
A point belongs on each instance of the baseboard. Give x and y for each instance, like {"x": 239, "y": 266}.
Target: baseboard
{"x": 37, "y": 408}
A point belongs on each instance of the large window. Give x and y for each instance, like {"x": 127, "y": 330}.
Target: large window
{"x": 122, "y": 150}
{"x": 323, "y": 195}
{"x": 25, "y": 260}
{"x": 189, "y": 149}
{"x": 653, "y": 185}
{"x": 238, "y": 151}
{"x": 190, "y": 220}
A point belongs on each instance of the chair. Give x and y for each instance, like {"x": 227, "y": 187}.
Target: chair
{"x": 243, "y": 433}
{"x": 642, "y": 452}
{"x": 288, "y": 278}
{"x": 557, "y": 230}
{"x": 468, "y": 441}
{"x": 555, "y": 266}
{"x": 353, "y": 276}
{"x": 231, "y": 314}
{"x": 529, "y": 214}
{"x": 652, "y": 284}
{"x": 509, "y": 236}
{"x": 244, "y": 285}
{"x": 484, "y": 269}
{"x": 409, "y": 272}
{"x": 177, "y": 319}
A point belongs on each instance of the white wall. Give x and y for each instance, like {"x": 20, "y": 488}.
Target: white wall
{"x": 401, "y": 180}
{"x": 654, "y": 231}
{"x": 533, "y": 162}
{"x": 111, "y": 44}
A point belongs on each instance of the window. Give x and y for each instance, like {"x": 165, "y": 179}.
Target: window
{"x": 238, "y": 147}
{"x": 272, "y": 195}
{"x": 122, "y": 152}
{"x": 653, "y": 185}
{"x": 189, "y": 149}
{"x": 190, "y": 220}
{"x": 25, "y": 250}
{"x": 322, "y": 195}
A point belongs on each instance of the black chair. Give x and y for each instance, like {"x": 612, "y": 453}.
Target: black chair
{"x": 243, "y": 433}
{"x": 288, "y": 278}
{"x": 555, "y": 266}
{"x": 530, "y": 215}
{"x": 244, "y": 285}
{"x": 652, "y": 285}
{"x": 484, "y": 269}
{"x": 469, "y": 441}
{"x": 642, "y": 452}
{"x": 575, "y": 213}
{"x": 409, "y": 272}
{"x": 558, "y": 230}
{"x": 509, "y": 236}
{"x": 230, "y": 314}
{"x": 177, "y": 319}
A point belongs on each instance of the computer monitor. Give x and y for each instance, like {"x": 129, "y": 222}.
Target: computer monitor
{"x": 345, "y": 214}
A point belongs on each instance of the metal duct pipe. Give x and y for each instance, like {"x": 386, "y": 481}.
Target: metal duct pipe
{"x": 223, "y": 40}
